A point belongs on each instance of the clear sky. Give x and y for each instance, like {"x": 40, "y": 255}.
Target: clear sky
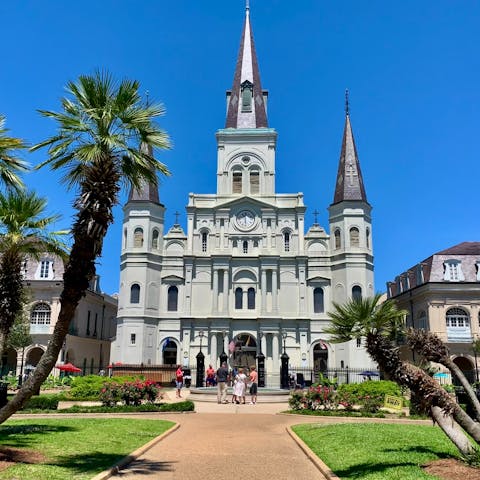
{"x": 412, "y": 68}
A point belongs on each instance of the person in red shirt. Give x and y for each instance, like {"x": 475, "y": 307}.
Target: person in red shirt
{"x": 210, "y": 376}
{"x": 253, "y": 380}
{"x": 179, "y": 381}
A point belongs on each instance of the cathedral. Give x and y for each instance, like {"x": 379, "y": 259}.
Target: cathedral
{"x": 245, "y": 281}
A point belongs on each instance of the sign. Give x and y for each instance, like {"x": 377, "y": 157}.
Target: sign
{"x": 393, "y": 402}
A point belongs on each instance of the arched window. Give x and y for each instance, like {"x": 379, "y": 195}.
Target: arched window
{"x": 457, "y": 318}
{"x": 245, "y": 247}
{"x": 254, "y": 182}
{"x": 338, "y": 240}
{"x": 135, "y": 293}
{"x": 247, "y": 94}
{"x": 138, "y": 238}
{"x": 318, "y": 304}
{"x": 251, "y": 299}
{"x": 204, "y": 241}
{"x": 155, "y": 239}
{"x": 286, "y": 241}
{"x": 356, "y": 293}
{"x": 40, "y": 314}
{"x": 238, "y": 298}
{"x": 237, "y": 182}
{"x": 367, "y": 234}
{"x": 172, "y": 304}
{"x": 354, "y": 237}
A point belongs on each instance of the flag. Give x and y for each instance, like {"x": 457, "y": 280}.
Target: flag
{"x": 231, "y": 346}
{"x": 165, "y": 343}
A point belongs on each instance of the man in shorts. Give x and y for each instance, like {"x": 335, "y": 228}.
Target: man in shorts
{"x": 253, "y": 380}
{"x": 222, "y": 379}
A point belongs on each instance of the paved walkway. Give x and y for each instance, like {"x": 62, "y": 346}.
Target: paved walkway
{"x": 246, "y": 441}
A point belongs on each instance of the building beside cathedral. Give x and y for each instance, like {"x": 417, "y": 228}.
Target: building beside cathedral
{"x": 245, "y": 278}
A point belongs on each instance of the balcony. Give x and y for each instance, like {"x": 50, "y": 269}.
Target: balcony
{"x": 39, "y": 329}
{"x": 459, "y": 335}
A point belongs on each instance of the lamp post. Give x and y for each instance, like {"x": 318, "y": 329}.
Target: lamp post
{"x": 200, "y": 362}
{"x": 261, "y": 363}
{"x": 284, "y": 364}
{"x": 223, "y": 355}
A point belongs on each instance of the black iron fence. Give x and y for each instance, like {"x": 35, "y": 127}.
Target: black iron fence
{"x": 305, "y": 376}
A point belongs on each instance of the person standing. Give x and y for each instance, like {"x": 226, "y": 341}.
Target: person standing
{"x": 240, "y": 386}
{"x": 179, "y": 381}
{"x": 222, "y": 378}
{"x": 253, "y": 380}
{"x": 210, "y": 382}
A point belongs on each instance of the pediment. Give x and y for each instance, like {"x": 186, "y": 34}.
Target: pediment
{"x": 244, "y": 202}
{"x": 319, "y": 279}
{"x": 169, "y": 278}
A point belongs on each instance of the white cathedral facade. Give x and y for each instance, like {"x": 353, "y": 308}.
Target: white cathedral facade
{"x": 245, "y": 279}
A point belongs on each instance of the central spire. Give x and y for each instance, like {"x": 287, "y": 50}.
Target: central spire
{"x": 246, "y": 100}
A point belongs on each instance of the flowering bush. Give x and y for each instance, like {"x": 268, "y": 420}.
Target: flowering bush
{"x": 131, "y": 393}
{"x": 315, "y": 398}
{"x": 110, "y": 394}
{"x": 371, "y": 403}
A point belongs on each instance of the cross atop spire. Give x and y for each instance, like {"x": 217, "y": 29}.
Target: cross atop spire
{"x": 349, "y": 184}
{"x": 246, "y": 101}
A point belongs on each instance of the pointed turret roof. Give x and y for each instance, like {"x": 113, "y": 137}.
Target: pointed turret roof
{"x": 247, "y": 75}
{"x": 349, "y": 184}
{"x": 148, "y": 191}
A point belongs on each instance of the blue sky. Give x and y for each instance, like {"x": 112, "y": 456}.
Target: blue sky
{"x": 412, "y": 68}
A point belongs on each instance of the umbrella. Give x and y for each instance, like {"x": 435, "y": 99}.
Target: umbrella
{"x": 367, "y": 373}
{"x": 441, "y": 375}
{"x": 68, "y": 367}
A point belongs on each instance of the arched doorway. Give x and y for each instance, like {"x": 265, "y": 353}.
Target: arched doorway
{"x": 245, "y": 353}
{"x": 320, "y": 357}
{"x": 467, "y": 367}
{"x": 169, "y": 353}
{"x": 33, "y": 357}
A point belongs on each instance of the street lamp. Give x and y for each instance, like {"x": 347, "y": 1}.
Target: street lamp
{"x": 284, "y": 364}
{"x": 284, "y": 336}
{"x": 201, "y": 334}
{"x": 223, "y": 355}
{"x": 200, "y": 362}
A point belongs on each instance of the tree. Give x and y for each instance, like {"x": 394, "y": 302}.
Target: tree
{"x": 378, "y": 323}
{"x": 23, "y": 233}
{"x": 10, "y": 164}
{"x": 20, "y": 338}
{"x": 105, "y": 140}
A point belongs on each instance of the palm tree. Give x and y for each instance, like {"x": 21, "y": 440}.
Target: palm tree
{"x": 104, "y": 141}
{"x": 431, "y": 347}
{"x": 377, "y": 323}
{"x": 10, "y": 164}
{"x": 23, "y": 233}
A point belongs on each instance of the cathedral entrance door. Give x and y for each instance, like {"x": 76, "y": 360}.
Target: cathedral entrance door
{"x": 320, "y": 358}
{"x": 245, "y": 353}
{"x": 169, "y": 352}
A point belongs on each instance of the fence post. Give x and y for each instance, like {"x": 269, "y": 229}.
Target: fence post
{"x": 347, "y": 374}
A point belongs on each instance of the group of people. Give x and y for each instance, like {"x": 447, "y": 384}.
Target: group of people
{"x": 240, "y": 383}
{"x": 221, "y": 378}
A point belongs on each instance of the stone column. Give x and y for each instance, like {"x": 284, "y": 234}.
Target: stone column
{"x": 213, "y": 349}
{"x": 225, "y": 343}
{"x": 244, "y": 298}
{"x": 264, "y": 292}
{"x": 263, "y": 342}
{"x": 225, "y": 290}
{"x": 275, "y": 352}
{"x": 215, "y": 290}
{"x": 274, "y": 291}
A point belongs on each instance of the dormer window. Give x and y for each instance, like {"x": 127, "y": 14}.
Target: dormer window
{"x": 44, "y": 270}
{"x": 453, "y": 271}
{"x": 247, "y": 96}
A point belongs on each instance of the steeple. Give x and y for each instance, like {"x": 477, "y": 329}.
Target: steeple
{"x": 148, "y": 191}
{"x": 246, "y": 101}
{"x": 349, "y": 184}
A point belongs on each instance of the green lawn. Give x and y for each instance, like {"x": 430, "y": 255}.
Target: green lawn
{"x": 75, "y": 448}
{"x": 376, "y": 451}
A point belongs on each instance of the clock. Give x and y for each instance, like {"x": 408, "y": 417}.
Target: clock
{"x": 245, "y": 219}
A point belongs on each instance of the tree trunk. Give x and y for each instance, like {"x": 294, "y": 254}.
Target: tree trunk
{"x": 453, "y": 431}
{"x": 99, "y": 194}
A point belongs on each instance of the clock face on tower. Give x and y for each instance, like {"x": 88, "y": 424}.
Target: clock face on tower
{"x": 245, "y": 219}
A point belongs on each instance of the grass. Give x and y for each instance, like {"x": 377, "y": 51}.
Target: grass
{"x": 75, "y": 448}
{"x": 377, "y": 451}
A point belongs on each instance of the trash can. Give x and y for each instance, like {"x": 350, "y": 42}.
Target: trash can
{"x": 3, "y": 393}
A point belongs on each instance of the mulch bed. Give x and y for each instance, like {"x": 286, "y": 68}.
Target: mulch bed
{"x": 11, "y": 456}
{"x": 451, "y": 469}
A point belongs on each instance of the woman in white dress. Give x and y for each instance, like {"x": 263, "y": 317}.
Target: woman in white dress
{"x": 240, "y": 386}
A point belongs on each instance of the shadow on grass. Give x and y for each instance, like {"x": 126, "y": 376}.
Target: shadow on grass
{"x": 361, "y": 469}
{"x": 97, "y": 461}
{"x": 18, "y": 435}
{"x": 421, "y": 450}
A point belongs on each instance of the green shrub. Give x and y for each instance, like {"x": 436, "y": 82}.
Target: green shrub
{"x": 186, "y": 406}
{"x": 370, "y": 388}
{"x": 89, "y": 386}
{"x": 42, "y": 402}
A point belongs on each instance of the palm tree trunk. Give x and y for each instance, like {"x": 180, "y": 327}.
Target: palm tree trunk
{"x": 99, "y": 194}
{"x": 422, "y": 385}
{"x": 452, "y": 431}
